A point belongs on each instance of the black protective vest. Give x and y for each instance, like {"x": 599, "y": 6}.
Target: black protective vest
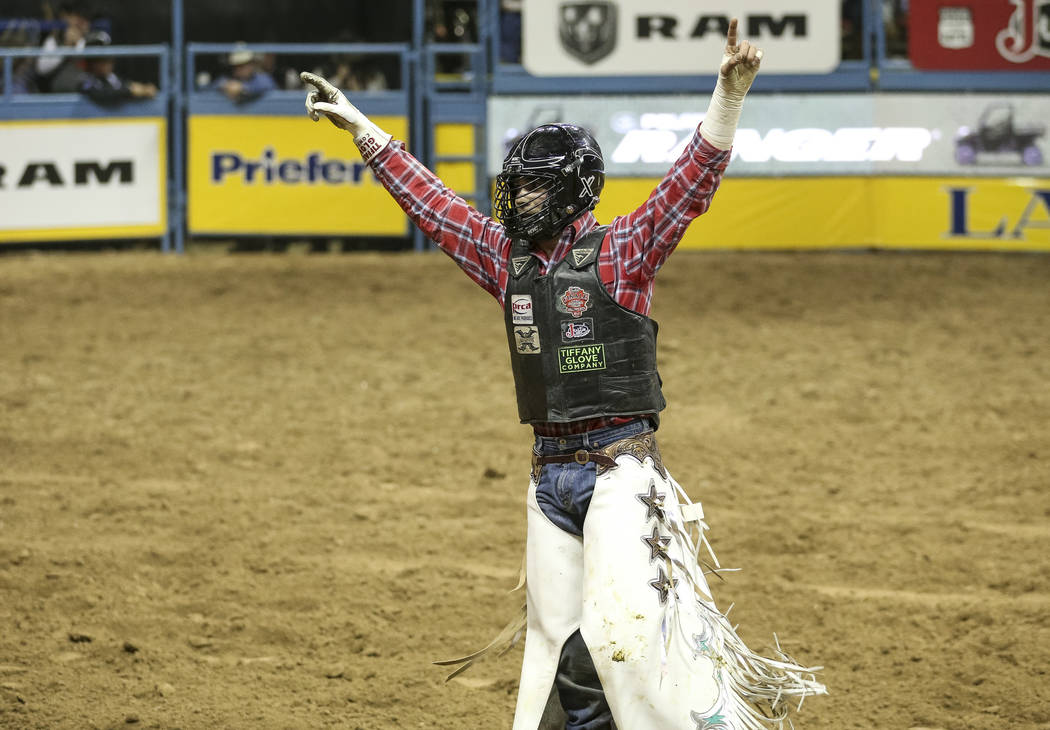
{"x": 575, "y": 352}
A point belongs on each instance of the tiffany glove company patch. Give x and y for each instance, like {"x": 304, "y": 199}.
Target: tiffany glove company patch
{"x": 581, "y": 358}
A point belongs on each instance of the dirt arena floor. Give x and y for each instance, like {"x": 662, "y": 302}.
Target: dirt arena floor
{"x": 266, "y": 491}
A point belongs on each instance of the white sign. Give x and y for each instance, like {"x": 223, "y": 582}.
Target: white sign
{"x": 805, "y": 144}
{"x": 803, "y": 134}
{"x": 675, "y": 37}
{"x": 81, "y": 175}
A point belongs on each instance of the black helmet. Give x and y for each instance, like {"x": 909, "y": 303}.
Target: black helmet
{"x": 561, "y": 166}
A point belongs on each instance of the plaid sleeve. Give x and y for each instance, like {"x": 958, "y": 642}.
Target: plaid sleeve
{"x": 476, "y": 242}
{"x": 643, "y": 240}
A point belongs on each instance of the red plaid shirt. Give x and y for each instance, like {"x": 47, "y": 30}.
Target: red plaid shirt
{"x": 636, "y": 246}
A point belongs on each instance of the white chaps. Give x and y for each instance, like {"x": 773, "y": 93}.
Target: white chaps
{"x": 666, "y": 658}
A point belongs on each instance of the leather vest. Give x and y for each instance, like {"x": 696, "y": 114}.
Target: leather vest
{"x": 575, "y": 352}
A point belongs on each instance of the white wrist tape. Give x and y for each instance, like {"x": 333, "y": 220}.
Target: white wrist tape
{"x": 370, "y": 140}
{"x": 723, "y": 114}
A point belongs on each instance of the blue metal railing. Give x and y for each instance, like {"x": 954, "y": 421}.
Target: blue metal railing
{"x": 876, "y": 70}
{"x": 898, "y": 74}
{"x": 427, "y": 97}
{"x": 8, "y": 55}
{"x": 397, "y": 101}
{"x": 458, "y": 97}
{"x": 380, "y": 102}
{"x": 512, "y": 78}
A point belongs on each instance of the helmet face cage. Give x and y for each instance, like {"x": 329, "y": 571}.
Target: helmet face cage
{"x": 552, "y": 176}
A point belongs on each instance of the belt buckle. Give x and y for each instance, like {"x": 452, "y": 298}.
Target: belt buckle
{"x": 581, "y": 456}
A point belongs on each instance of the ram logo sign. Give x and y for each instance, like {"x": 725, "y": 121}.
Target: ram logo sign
{"x": 754, "y": 27}
{"x": 588, "y": 30}
{"x": 672, "y": 37}
{"x": 51, "y": 172}
{"x": 81, "y": 179}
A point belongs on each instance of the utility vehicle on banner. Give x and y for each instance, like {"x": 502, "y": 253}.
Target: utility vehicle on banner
{"x": 997, "y": 135}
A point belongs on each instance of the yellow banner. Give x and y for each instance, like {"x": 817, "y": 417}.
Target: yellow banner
{"x": 285, "y": 175}
{"x": 850, "y": 212}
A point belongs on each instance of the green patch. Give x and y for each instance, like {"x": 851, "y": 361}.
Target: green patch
{"x": 581, "y": 358}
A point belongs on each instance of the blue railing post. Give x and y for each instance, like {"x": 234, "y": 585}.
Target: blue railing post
{"x": 164, "y": 78}
{"x": 417, "y": 110}
{"x": 177, "y": 202}
{"x": 867, "y": 16}
{"x": 8, "y": 79}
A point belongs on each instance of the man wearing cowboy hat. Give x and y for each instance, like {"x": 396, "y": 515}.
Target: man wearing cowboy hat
{"x": 246, "y": 81}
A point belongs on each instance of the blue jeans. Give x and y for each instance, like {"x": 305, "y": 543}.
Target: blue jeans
{"x": 563, "y": 494}
{"x": 564, "y": 490}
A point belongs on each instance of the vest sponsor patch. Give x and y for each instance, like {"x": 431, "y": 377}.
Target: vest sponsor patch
{"x": 577, "y": 330}
{"x": 581, "y": 358}
{"x": 521, "y": 308}
{"x": 518, "y": 262}
{"x": 579, "y": 255}
{"x": 527, "y": 340}
{"x": 574, "y": 301}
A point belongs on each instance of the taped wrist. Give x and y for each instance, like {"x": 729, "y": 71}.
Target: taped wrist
{"x": 370, "y": 140}
{"x": 723, "y": 115}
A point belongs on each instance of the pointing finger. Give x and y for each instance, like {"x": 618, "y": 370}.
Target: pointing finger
{"x": 328, "y": 91}
{"x": 731, "y": 38}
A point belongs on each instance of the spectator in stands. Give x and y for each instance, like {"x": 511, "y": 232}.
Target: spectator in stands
{"x": 63, "y": 70}
{"x": 100, "y": 83}
{"x": 246, "y": 80}
{"x": 20, "y": 34}
{"x": 852, "y": 29}
{"x": 352, "y": 71}
{"x": 355, "y": 73}
{"x": 451, "y": 21}
{"x": 895, "y": 21}
{"x": 23, "y": 77}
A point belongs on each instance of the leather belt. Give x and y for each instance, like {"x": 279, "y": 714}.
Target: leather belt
{"x": 641, "y": 447}
{"x": 580, "y": 456}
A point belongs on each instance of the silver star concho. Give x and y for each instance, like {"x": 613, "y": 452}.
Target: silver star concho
{"x": 664, "y": 586}
{"x": 657, "y": 544}
{"x": 653, "y": 501}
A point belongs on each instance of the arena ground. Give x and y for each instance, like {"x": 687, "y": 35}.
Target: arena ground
{"x": 266, "y": 491}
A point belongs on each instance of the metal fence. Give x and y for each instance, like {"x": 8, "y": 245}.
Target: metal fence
{"x": 427, "y": 97}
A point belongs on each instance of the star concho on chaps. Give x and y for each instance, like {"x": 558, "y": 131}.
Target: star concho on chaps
{"x": 649, "y": 618}
{"x": 665, "y": 656}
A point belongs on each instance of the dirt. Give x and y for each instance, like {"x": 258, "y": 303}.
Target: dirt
{"x": 267, "y": 491}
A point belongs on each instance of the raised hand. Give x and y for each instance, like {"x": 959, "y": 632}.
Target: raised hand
{"x": 739, "y": 63}
{"x": 330, "y": 101}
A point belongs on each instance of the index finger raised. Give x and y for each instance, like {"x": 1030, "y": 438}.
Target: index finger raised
{"x": 731, "y": 36}
{"x": 328, "y": 91}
